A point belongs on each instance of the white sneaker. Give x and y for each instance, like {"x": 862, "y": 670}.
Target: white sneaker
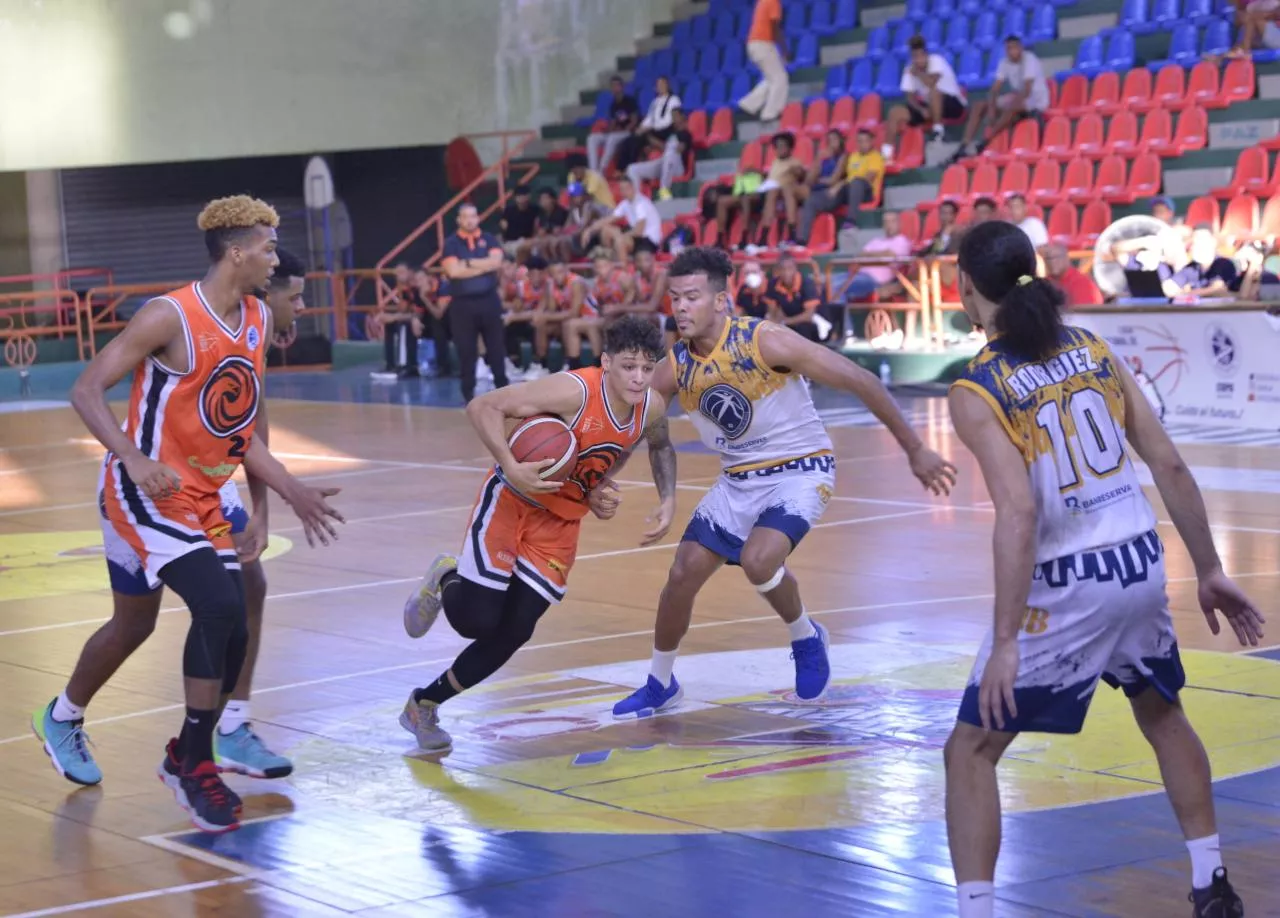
{"x": 535, "y": 371}
{"x": 514, "y": 373}
{"x": 939, "y": 131}
{"x": 482, "y": 369}
{"x": 886, "y": 150}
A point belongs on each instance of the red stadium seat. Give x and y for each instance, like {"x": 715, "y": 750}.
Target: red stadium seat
{"x": 984, "y": 183}
{"x": 1240, "y": 221}
{"x": 1015, "y": 178}
{"x": 1095, "y": 218}
{"x": 1024, "y": 145}
{"x": 1250, "y": 174}
{"x": 1062, "y": 224}
{"x": 1089, "y": 137}
{"x": 1203, "y": 87}
{"x": 1269, "y": 224}
{"x": 909, "y": 225}
{"x": 1239, "y": 81}
{"x": 1103, "y": 94}
{"x": 953, "y": 187}
{"x": 1135, "y": 95}
{"x": 870, "y": 111}
{"x": 1045, "y": 182}
{"x": 910, "y": 151}
{"x": 1057, "y": 139}
{"x": 1204, "y": 209}
{"x": 1111, "y": 180}
{"x": 1157, "y": 133}
{"x": 822, "y": 238}
{"x": 1073, "y": 94}
{"x": 1193, "y": 130}
{"x": 698, "y": 128}
{"x": 816, "y": 118}
{"x": 1171, "y": 86}
{"x": 792, "y": 120}
{"x": 1077, "y": 181}
{"x": 751, "y": 159}
{"x": 1122, "y": 134}
{"x": 842, "y": 115}
{"x": 1145, "y": 177}
{"x": 721, "y": 130}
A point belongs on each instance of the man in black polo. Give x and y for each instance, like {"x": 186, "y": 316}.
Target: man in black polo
{"x": 792, "y": 299}
{"x": 472, "y": 259}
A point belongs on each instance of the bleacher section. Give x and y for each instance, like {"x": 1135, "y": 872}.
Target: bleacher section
{"x": 1137, "y": 111}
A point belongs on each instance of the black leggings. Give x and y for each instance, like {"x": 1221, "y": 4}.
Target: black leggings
{"x": 219, "y": 635}
{"x": 498, "y": 622}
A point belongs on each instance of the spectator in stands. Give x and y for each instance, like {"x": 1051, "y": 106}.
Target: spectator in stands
{"x": 1207, "y": 274}
{"x": 1252, "y": 275}
{"x": 863, "y": 173}
{"x": 401, "y": 324}
{"x": 767, "y": 49}
{"x": 649, "y": 280}
{"x": 815, "y": 190}
{"x": 591, "y": 181}
{"x": 1026, "y": 94}
{"x": 609, "y": 294}
{"x": 984, "y": 209}
{"x": 792, "y": 298}
{"x": 548, "y": 226}
{"x": 585, "y": 214}
{"x": 750, "y": 298}
{"x": 1033, "y": 226}
{"x": 673, "y": 155}
{"x": 1257, "y": 20}
{"x": 785, "y": 169}
{"x": 634, "y": 218}
{"x": 1178, "y": 233}
{"x": 520, "y": 304}
{"x": 517, "y": 222}
{"x": 941, "y": 243}
{"x": 472, "y": 260}
{"x": 1078, "y": 287}
{"x": 657, "y": 125}
{"x": 933, "y": 96}
{"x": 880, "y": 279}
{"x": 624, "y": 117}
{"x": 562, "y": 300}
{"x": 434, "y": 318}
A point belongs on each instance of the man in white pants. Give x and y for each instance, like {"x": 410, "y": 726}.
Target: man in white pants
{"x": 767, "y": 49}
{"x": 671, "y": 164}
{"x": 624, "y": 115}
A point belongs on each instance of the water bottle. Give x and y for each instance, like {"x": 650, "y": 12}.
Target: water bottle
{"x": 886, "y": 374}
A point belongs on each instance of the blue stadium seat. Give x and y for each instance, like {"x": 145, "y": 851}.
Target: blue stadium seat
{"x": 878, "y": 43}
{"x": 644, "y": 69}
{"x": 709, "y": 61}
{"x": 682, "y": 33}
{"x": 902, "y": 34}
{"x": 691, "y": 98}
{"x": 974, "y": 7}
{"x": 701, "y": 33}
{"x": 917, "y": 10}
{"x": 846, "y": 15}
{"x": 1044, "y": 23}
{"x": 1165, "y": 13}
{"x": 724, "y": 30}
{"x": 795, "y": 19}
{"x": 889, "y": 78}
{"x": 1217, "y": 37}
{"x": 969, "y": 71}
{"x": 986, "y": 31}
{"x": 1199, "y": 11}
{"x": 740, "y": 86}
{"x": 604, "y": 99}
{"x": 820, "y": 22}
{"x": 664, "y": 63}
{"x": 1182, "y": 48}
{"x": 957, "y": 38}
{"x": 931, "y": 32}
{"x": 861, "y": 81}
{"x": 1133, "y": 13}
{"x": 805, "y": 52}
{"x": 942, "y": 10}
{"x": 733, "y": 59}
{"x": 686, "y": 64}
{"x": 645, "y": 98}
{"x": 717, "y": 93}
{"x": 837, "y": 83}
{"x": 1088, "y": 57}
{"x": 1121, "y": 53}
{"x": 1015, "y": 23}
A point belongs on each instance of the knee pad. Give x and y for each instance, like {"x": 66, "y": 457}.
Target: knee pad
{"x": 214, "y": 623}
{"x": 772, "y": 583}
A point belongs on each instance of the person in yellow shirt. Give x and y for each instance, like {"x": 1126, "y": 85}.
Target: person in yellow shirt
{"x": 861, "y": 184}
{"x": 595, "y": 184}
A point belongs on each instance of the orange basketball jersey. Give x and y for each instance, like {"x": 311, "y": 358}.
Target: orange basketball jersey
{"x": 602, "y": 440}
{"x": 200, "y": 423}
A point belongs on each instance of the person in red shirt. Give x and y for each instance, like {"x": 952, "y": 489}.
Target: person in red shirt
{"x": 1079, "y": 287}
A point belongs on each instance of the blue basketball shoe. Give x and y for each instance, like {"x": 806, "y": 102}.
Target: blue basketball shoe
{"x": 648, "y": 700}
{"x": 67, "y": 746}
{"x": 813, "y": 669}
{"x": 244, "y": 752}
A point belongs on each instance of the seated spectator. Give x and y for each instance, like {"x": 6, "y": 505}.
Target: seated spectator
{"x": 933, "y": 96}
{"x": 1078, "y": 287}
{"x": 881, "y": 280}
{"x": 749, "y": 197}
{"x": 1257, "y": 20}
{"x": 435, "y": 319}
{"x": 650, "y": 282}
{"x": 815, "y": 191}
{"x": 984, "y": 209}
{"x": 634, "y": 218}
{"x": 1025, "y": 95}
{"x": 750, "y": 298}
{"x": 562, "y": 301}
{"x": 1207, "y": 274}
{"x": 863, "y": 172}
{"x": 656, "y": 123}
{"x": 792, "y": 299}
{"x": 517, "y": 222}
{"x": 521, "y": 301}
{"x": 941, "y": 243}
{"x": 401, "y": 324}
{"x": 1177, "y": 232}
{"x": 624, "y": 117}
{"x": 1034, "y": 227}
{"x": 548, "y": 227}
{"x": 592, "y": 182}
{"x": 609, "y": 294}
{"x": 672, "y": 160}
{"x": 1250, "y": 260}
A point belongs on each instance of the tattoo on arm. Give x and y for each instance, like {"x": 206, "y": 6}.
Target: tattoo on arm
{"x": 662, "y": 458}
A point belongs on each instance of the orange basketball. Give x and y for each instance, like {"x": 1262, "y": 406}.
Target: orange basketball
{"x": 545, "y": 436}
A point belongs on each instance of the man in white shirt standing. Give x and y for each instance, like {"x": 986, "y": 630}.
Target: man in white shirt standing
{"x": 1026, "y": 93}
{"x": 933, "y": 96}
{"x": 1033, "y": 226}
{"x": 766, "y": 48}
{"x": 635, "y": 217}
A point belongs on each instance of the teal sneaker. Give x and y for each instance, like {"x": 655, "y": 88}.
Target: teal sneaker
{"x": 67, "y": 746}
{"x": 244, "y": 752}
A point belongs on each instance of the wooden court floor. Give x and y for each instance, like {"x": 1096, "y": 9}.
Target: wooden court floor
{"x": 740, "y": 804}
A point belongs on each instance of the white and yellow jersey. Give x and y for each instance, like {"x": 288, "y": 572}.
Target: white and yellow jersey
{"x": 1066, "y": 415}
{"x": 755, "y": 416}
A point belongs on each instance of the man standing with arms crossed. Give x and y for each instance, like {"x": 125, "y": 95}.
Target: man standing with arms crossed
{"x": 472, "y": 260}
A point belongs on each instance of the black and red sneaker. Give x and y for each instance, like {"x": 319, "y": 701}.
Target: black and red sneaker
{"x": 170, "y": 772}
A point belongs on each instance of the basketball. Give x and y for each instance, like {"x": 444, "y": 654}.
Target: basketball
{"x": 545, "y": 437}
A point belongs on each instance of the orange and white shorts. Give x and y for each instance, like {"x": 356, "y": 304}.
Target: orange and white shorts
{"x": 140, "y": 536}
{"x": 508, "y": 535}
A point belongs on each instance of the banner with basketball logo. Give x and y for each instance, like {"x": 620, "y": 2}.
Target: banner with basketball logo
{"x": 1214, "y": 367}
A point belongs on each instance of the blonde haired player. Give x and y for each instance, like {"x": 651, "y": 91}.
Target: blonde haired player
{"x": 197, "y": 356}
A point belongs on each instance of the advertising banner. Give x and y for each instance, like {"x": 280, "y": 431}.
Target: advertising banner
{"x": 1213, "y": 367}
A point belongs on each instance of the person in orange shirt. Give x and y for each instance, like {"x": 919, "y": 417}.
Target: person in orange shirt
{"x": 523, "y": 534}
{"x": 767, "y": 49}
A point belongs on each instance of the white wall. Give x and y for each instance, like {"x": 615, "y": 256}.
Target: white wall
{"x": 99, "y": 82}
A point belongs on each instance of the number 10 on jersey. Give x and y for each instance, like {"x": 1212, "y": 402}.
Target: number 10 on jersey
{"x": 1098, "y": 446}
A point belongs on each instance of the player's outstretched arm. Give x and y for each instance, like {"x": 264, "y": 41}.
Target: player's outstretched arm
{"x": 1013, "y": 544}
{"x": 560, "y": 394}
{"x": 152, "y": 330}
{"x": 308, "y": 503}
{"x": 782, "y": 347}
{"x": 1182, "y": 498}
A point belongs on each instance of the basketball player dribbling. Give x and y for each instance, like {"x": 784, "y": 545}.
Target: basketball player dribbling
{"x": 1046, "y": 410}
{"x": 742, "y": 381}
{"x": 197, "y": 357}
{"x": 523, "y": 534}
{"x": 136, "y": 607}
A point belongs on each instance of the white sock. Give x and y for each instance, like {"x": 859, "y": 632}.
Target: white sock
{"x": 977, "y": 899}
{"x": 1206, "y": 857}
{"x": 801, "y": 628}
{"x": 64, "y": 710}
{"x": 234, "y": 716}
{"x": 663, "y": 662}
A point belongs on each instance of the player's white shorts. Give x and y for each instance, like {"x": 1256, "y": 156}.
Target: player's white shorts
{"x": 126, "y": 569}
{"x": 790, "y": 498}
{"x": 1097, "y": 614}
